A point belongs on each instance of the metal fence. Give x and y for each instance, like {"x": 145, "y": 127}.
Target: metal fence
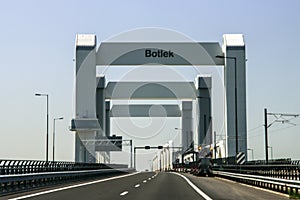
{"x": 232, "y": 161}
{"x": 8, "y": 167}
{"x": 23, "y": 175}
{"x": 282, "y": 175}
{"x": 276, "y": 184}
{"x": 289, "y": 172}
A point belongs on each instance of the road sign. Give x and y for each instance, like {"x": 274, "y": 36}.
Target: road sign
{"x": 240, "y": 158}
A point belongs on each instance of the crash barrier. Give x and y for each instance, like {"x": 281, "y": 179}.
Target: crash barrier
{"x": 276, "y": 184}
{"x": 22, "y": 176}
{"x": 232, "y": 161}
{"x": 288, "y": 172}
{"x": 8, "y": 167}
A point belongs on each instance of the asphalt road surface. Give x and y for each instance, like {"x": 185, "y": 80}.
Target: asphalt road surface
{"x": 152, "y": 186}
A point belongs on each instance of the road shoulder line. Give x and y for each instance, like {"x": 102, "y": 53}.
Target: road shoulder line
{"x": 202, "y": 194}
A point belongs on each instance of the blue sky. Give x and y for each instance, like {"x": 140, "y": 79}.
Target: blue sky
{"x": 37, "y": 50}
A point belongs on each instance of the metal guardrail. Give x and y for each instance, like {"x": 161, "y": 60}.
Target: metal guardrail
{"x": 282, "y": 175}
{"x": 8, "y": 167}
{"x": 20, "y": 182}
{"x": 276, "y": 184}
{"x": 20, "y": 175}
{"x": 232, "y": 161}
{"x": 288, "y": 172}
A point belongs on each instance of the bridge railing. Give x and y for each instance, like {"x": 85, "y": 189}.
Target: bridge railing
{"x": 278, "y": 176}
{"x": 289, "y": 172}
{"x": 231, "y": 161}
{"x": 277, "y": 184}
{"x": 20, "y": 175}
{"x": 8, "y": 167}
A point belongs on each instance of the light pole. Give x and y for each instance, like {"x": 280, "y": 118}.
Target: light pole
{"x": 252, "y": 151}
{"x": 53, "y": 143}
{"x": 235, "y": 96}
{"x": 266, "y": 134}
{"x": 131, "y": 153}
{"x": 47, "y": 129}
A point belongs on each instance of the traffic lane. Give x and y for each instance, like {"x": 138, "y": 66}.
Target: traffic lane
{"x": 218, "y": 188}
{"x": 164, "y": 186}
{"x": 59, "y": 185}
{"x": 110, "y": 189}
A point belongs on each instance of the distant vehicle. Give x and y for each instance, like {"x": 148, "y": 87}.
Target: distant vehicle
{"x": 205, "y": 167}
{"x": 205, "y": 163}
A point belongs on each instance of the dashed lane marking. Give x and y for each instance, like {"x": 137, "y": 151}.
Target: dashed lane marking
{"x": 124, "y": 193}
{"x": 137, "y": 185}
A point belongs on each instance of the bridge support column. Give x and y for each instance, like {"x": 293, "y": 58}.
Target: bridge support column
{"x": 203, "y": 86}
{"x": 85, "y": 87}
{"x": 235, "y": 83}
{"x": 187, "y": 125}
{"x": 100, "y": 105}
{"x": 101, "y": 115}
{"x": 107, "y": 127}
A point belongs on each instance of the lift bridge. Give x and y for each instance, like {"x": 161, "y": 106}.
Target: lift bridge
{"x": 93, "y": 94}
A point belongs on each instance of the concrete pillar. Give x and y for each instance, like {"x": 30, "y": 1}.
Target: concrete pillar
{"x": 203, "y": 86}
{"x": 107, "y": 118}
{"x": 187, "y": 125}
{"x": 107, "y": 127}
{"x": 100, "y": 105}
{"x": 234, "y": 49}
{"x": 101, "y": 110}
{"x": 85, "y": 87}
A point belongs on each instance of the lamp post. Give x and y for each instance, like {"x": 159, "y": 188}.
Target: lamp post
{"x": 53, "y": 143}
{"x": 252, "y": 151}
{"x": 235, "y": 96}
{"x": 47, "y": 129}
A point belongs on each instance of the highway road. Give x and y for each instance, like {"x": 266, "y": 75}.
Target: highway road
{"x": 149, "y": 186}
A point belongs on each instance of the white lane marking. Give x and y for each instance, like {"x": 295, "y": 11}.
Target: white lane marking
{"x": 137, "y": 185}
{"x": 72, "y": 186}
{"x": 153, "y": 176}
{"x": 205, "y": 196}
{"x": 145, "y": 181}
{"x": 124, "y": 193}
{"x": 149, "y": 179}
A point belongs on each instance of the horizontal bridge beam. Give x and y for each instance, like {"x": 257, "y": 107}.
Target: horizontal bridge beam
{"x": 150, "y": 90}
{"x": 163, "y": 53}
{"x": 145, "y": 111}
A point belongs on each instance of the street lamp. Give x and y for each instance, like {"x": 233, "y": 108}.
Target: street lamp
{"x": 235, "y": 95}
{"x": 47, "y": 129}
{"x": 252, "y": 151}
{"x": 53, "y": 143}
